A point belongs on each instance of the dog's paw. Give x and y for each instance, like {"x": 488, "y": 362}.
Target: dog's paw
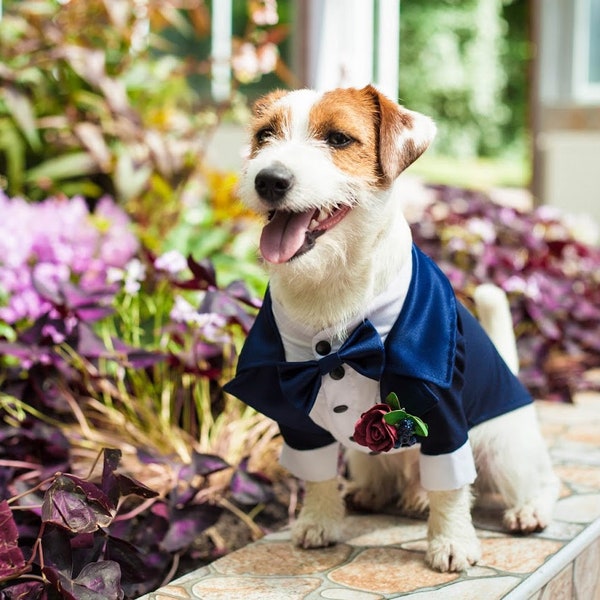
{"x": 530, "y": 517}
{"x": 315, "y": 533}
{"x": 449, "y": 555}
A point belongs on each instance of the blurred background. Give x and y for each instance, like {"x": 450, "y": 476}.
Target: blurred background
{"x": 129, "y": 274}
{"x": 514, "y": 85}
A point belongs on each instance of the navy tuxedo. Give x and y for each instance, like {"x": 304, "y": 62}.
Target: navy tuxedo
{"x": 436, "y": 358}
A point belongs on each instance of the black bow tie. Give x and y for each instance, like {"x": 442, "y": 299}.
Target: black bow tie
{"x": 363, "y": 351}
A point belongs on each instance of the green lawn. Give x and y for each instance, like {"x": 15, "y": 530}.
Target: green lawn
{"x": 479, "y": 173}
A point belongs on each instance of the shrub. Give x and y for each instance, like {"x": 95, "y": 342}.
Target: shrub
{"x": 552, "y": 280}
{"x": 109, "y": 346}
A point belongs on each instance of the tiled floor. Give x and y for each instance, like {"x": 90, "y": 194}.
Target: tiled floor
{"x": 381, "y": 556}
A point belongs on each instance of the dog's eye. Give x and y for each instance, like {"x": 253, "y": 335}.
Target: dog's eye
{"x": 262, "y": 135}
{"x": 337, "y": 139}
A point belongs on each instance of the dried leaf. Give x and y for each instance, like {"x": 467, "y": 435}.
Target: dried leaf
{"x": 92, "y": 138}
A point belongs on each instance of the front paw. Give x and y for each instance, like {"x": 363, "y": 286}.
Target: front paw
{"x": 451, "y": 555}
{"x": 320, "y": 520}
{"x": 312, "y": 532}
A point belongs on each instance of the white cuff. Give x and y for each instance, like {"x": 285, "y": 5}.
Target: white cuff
{"x": 448, "y": 471}
{"x": 311, "y": 465}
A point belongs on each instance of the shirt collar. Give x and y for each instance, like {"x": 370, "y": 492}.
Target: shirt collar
{"x": 299, "y": 341}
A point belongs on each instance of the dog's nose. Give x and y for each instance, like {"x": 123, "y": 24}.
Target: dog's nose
{"x": 272, "y": 183}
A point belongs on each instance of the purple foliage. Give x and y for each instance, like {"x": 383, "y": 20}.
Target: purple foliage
{"x": 67, "y": 308}
{"x": 61, "y": 271}
{"x": 550, "y": 277}
{"x": 101, "y": 539}
{"x": 249, "y": 489}
{"x": 43, "y": 246}
{"x": 12, "y": 561}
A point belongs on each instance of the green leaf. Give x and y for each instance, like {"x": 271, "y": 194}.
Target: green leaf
{"x": 395, "y": 416}
{"x": 392, "y": 401}
{"x": 22, "y": 111}
{"x": 7, "y": 332}
{"x": 13, "y": 147}
{"x": 64, "y": 167}
{"x": 81, "y": 187}
{"x": 420, "y": 427}
{"x": 130, "y": 179}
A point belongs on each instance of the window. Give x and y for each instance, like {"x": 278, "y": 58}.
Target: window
{"x": 586, "y": 55}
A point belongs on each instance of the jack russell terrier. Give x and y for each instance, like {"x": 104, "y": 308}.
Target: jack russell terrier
{"x": 361, "y": 342}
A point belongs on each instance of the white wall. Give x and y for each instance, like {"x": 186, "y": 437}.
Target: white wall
{"x": 571, "y": 167}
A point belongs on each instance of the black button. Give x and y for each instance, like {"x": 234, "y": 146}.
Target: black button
{"x": 351, "y": 438}
{"x": 340, "y": 409}
{"x": 337, "y": 373}
{"x": 323, "y": 347}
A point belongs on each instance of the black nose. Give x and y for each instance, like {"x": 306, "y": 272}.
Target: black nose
{"x": 272, "y": 183}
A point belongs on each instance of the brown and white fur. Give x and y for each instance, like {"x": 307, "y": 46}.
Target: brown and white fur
{"x": 340, "y": 153}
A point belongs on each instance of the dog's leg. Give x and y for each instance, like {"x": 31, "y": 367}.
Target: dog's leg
{"x": 509, "y": 450}
{"x": 321, "y": 516}
{"x": 377, "y": 481}
{"x": 512, "y": 459}
{"x": 453, "y": 544}
{"x": 371, "y": 486}
{"x": 413, "y": 499}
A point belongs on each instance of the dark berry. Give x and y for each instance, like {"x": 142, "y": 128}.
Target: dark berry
{"x": 406, "y": 426}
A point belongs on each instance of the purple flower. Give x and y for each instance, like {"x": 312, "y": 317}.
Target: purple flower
{"x": 172, "y": 262}
{"x": 119, "y": 244}
{"x": 45, "y": 245}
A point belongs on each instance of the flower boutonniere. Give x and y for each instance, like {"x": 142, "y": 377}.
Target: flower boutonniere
{"x": 387, "y": 426}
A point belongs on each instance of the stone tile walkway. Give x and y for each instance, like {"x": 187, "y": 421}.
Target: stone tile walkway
{"x": 381, "y": 556}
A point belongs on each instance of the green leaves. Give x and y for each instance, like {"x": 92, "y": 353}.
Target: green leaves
{"x": 22, "y": 111}
{"x": 392, "y": 401}
{"x": 74, "y": 121}
{"x": 398, "y": 414}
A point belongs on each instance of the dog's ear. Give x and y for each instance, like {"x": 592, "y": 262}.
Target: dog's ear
{"x": 403, "y": 135}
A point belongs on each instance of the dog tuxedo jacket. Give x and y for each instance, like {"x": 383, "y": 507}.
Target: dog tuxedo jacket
{"x": 415, "y": 340}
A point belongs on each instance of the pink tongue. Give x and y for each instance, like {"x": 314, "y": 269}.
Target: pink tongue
{"x": 284, "y": 235}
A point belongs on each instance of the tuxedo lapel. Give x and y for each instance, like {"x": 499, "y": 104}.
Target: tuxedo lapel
{"x": 419, "y": 350}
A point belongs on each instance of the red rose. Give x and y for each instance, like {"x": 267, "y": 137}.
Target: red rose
{"x": 372, "y": 431}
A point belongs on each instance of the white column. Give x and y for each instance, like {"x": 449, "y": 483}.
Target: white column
{"x": 340, "y": 43}
{"x": 388, "y": 47}
{"x": 221, "y": 20}
{"x": 353, "y": 43}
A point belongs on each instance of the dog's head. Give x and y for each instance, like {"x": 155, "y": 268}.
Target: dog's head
{"x": 319, "y": 163}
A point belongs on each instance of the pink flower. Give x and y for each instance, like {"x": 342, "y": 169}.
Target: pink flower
{"x": 372, "y": 431}
{"x": 250, "y": 62}
{"x": 264, "y": 12}
{"x": 46, "y": 244}
{"x": 267, "y": 56}
{"x": 172, "y": 262}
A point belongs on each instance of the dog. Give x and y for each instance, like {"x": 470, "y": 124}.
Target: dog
{"x": 346, "y": 281}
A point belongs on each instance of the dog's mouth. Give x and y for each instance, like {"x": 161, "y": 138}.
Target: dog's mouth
{"x": 288, "y": 234}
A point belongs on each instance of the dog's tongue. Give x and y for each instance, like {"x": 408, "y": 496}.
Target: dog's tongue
{"x": 284, "y": 235}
